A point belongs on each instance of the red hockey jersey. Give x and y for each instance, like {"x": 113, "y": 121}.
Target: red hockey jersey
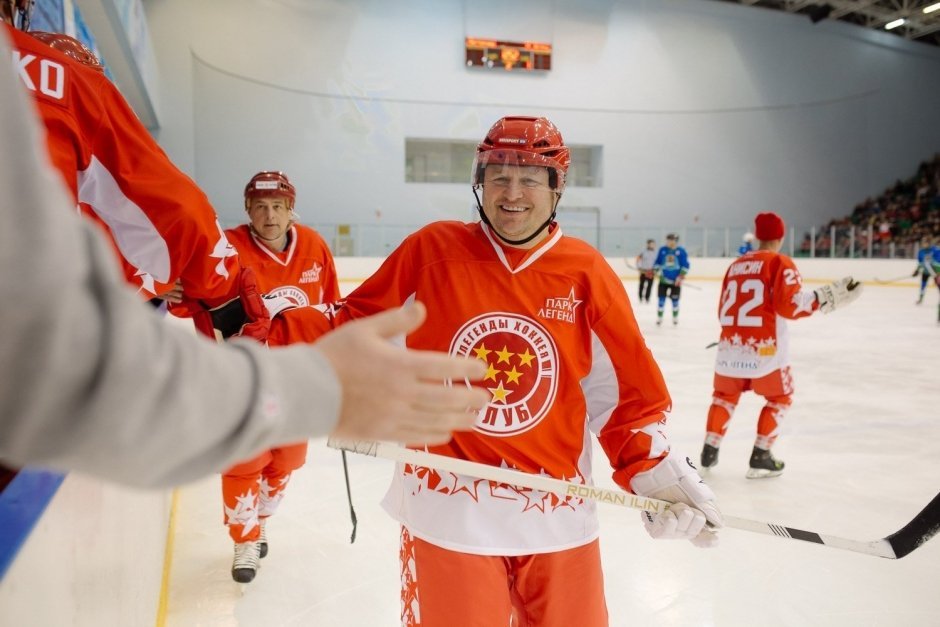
{"x": 760, "y": 291}
{"x": 160, "y": 222}
{"x": 565, "y": 358}
{"x": 303, "y": 272}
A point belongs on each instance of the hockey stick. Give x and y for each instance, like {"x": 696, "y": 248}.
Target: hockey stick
{"x": 895, "y": 546}
{"x": 712, "y": 345}
{"x": 894, "y": 280}
{"x": 633, "y": 267}
{"x": 352, "y": 511}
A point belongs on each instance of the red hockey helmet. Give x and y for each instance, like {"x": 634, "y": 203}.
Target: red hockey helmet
{"x": 17, "y": 12}
{"x": 524, "y": 141}
{"x": 269, "y": 183}
{"x": 70, "y": 47}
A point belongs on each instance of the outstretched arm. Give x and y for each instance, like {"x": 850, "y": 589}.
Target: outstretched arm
{"x": 95, "y": 381}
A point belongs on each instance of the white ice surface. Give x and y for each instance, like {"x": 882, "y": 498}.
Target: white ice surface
{"x": 862, "y": 447}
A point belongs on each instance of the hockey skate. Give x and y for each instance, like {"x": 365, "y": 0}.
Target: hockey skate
{"x": 263, "y": 538}
{"x": 764, "y": 465}
{"x": 709, "y": 456}
{"x": 920, "y": 298}
{"x": 245, "y": 564}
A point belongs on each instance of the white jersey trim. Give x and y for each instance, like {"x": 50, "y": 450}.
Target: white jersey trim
{"x": 495, "y": 521}
{"x": 528, "y": 262}
{"x": 270, "y": 253}
{"x": 137, "y": 238}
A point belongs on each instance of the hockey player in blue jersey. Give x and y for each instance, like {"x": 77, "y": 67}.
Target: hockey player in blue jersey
{"x": 928, "y": 266}
{"x": 672, "y": 264}
{"x": 747, "y": 244}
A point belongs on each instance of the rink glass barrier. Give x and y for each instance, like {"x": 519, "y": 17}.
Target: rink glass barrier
{"x": 378, "y": 240}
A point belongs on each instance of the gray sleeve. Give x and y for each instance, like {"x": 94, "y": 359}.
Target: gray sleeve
{"x": 93, "y": 380}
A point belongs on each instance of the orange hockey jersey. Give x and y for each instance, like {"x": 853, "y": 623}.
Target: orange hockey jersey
{"x": 760, "y": 291}
{"x": 565, "y": 358}
{"x": 160, "y": 222}
{"x": 304, "y": 272}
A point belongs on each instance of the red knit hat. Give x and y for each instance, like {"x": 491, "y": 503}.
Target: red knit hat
{"x": 769, "y": 226}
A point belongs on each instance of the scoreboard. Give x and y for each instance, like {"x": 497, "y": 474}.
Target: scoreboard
{"x": 508, "y": 55}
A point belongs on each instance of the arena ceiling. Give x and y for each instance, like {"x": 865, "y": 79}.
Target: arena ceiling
{"x": 874, "y": 14}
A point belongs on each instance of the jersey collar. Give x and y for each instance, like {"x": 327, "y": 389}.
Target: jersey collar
{"x": 540, "y": 250}
{"x": 284, "y": 257}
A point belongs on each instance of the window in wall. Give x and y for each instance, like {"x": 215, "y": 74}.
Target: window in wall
{"x": 438, "y": 160}
{"x": 450, "y": 161}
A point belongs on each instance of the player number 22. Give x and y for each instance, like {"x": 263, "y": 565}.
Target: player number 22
{"x": 755, "y": 288}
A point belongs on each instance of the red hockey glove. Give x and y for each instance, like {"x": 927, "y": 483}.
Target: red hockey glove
{"x": 257, "y": 322}
{"x": 243, "y": 316}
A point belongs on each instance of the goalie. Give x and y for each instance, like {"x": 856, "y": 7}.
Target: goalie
{"x": 762, "y": 289}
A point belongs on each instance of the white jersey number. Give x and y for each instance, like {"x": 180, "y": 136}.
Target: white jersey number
{"x": 750, "y": 286}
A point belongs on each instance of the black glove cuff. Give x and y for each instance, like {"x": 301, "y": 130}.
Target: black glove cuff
{"x": 229, "y": 318}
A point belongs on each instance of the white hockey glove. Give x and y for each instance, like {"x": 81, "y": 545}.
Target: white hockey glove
{"x": 676, "y": 480}
{"x": 837, "y": 294}
{"x": 277, "y": 304}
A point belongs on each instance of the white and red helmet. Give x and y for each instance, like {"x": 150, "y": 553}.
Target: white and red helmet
{"x": 524, "y": 141}
{"x": 527, "y": 142}
{"x": 267, "y": 184}
{"x": 71, "y": 47}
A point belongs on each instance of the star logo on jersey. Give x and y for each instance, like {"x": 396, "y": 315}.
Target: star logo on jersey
{"x": 222, "y": 250}
{"x": 653, "y": 438}
{"x": 311, "y": 275}
{"x": 803, "y": 302}
{"x": 534, "y": 499}
{"x": 568, "y": 501}
{"x": 522, "y": 368}
{"x": 561, "y": 308}
{"x": 147, "y": 283}
{"x": 424, "y": 478}
{"x": 465, "y": 484}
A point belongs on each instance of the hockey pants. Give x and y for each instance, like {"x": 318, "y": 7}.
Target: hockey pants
{"x": 444, "y": 588}
{"x": 252, "y": 489}
{"x": 776, "y": 388}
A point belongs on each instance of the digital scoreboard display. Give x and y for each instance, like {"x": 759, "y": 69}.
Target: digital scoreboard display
{"x": 508, "y": 55}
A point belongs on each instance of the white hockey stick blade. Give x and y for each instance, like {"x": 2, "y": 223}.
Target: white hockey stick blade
{"x": 895, "y": 546}
{"x": 630, "y": 265}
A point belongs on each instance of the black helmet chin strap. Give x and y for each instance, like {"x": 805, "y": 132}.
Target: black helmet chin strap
{"x": 516, "y": 242}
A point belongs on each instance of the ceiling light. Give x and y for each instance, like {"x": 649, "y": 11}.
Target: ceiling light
{"x": 932, "y": 8}
{"x": 895, "y": 23}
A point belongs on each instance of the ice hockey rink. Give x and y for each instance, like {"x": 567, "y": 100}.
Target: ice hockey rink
{"x": 862, "y": 448}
